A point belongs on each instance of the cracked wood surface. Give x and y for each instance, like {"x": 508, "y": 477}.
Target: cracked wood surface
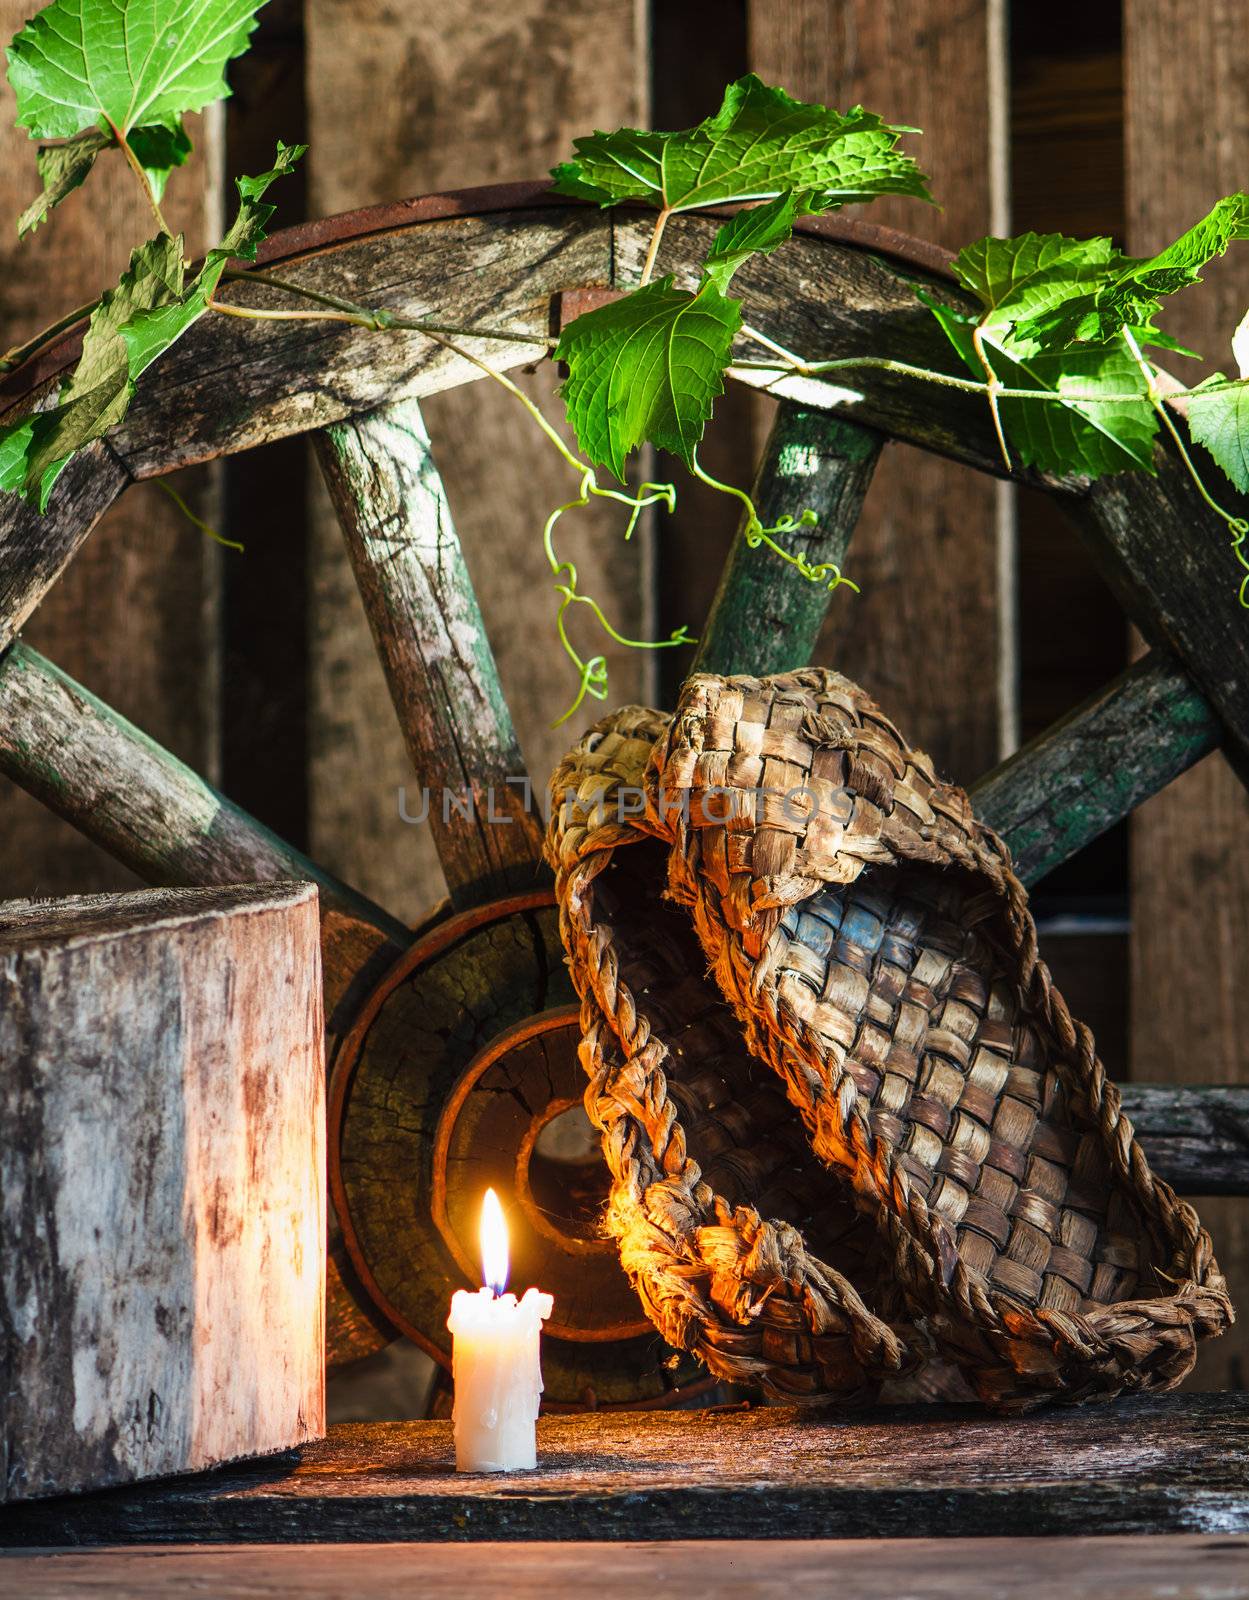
{"x": 1165, "y": 1464}
{"x": 162, "y": 1112}
{"x": 429, "y": 634}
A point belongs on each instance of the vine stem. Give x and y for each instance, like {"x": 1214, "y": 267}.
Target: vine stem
{"x": 815, "y": 369}
{"x": 993, "y": 388}
{"x": 198, "y": 522}
{"x": 652, "y": 249}
{"x": 136, "y": 166}
{"x": 23, "y": 352}
{"x": 756, "y": 534}
{"x": 1238, "y": 525}
{"x": 375, "y": 318}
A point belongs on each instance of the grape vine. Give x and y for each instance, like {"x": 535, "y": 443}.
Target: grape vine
{"x": 1053, "y": 336}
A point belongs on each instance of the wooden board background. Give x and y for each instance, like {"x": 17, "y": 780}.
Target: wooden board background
{"x": 980, "y": 620}
{"x": 1187, "y": 143}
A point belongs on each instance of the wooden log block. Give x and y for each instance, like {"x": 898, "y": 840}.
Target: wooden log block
{"x": 1150, "y": 1464}
{"x": 162, "y": 1153}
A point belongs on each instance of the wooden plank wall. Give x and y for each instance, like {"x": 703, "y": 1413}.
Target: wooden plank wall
{"x": 135, "y": 618}
{"x": 456, "y": 92}
{"x": 1187, "y": 143}
{"x": 933, "y": 545}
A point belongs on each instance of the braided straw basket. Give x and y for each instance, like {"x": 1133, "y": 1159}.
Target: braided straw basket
{"x": 977, "y": 1189}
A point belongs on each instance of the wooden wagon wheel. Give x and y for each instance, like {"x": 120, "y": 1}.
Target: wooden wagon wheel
{"x": 448, "y": 1061}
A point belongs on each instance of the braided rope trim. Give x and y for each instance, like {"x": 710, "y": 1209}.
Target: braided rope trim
{"x": 1014, "y": 1354}
{"x": 736, "y": 1289}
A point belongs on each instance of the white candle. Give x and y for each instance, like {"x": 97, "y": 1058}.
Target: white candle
{"x": 495, "y": 1361}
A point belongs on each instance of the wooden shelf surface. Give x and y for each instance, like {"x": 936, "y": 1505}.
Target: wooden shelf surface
{"x": 1160, "y": 1567}
{"x": 1165, "y": 1464}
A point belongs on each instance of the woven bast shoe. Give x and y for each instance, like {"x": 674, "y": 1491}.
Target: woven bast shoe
{"x": 741, "y": 1246}
{"x": 879, "y": 955}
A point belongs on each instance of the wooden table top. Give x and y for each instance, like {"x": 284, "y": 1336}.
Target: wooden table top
{"x": 1165, "y": 1464}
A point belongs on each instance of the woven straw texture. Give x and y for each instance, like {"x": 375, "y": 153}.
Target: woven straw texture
{"x": 879, "y": 956}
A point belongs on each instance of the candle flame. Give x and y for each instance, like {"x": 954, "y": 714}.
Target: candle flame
{"x": 494, "y": 1264}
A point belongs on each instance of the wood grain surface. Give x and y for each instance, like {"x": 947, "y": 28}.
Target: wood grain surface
{"x": 1168, "y": 1464}
{"x": 1147, "y": 1567}
{"x": 457, "y": 93}
{"x": 136, "y": 614}
{"x": 927, "y": 553}
{"x": 766, "y": 616}
{"x": 162, "y": 1128}
{"x": 1187, "y": 144}
{"x": 428, "y": 632}
{"x": 1090, "y": 769}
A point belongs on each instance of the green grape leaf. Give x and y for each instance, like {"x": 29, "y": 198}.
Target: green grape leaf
{"x": 760, "y": 143}
{"x": 1180, "y": 263}
{"x": 62, "y": 168}
{"x": 159, "y": 151}
{"x": 648, "y": 367}
{"x": 756, "y": 231}
{"x": 1068, "y": 435}
{"x": 1218, "y": 418}
{"x": 136, "y": 63}
{"x": 135, "y": 323}
{"x": 150, "y": 333}
{"x": 1218, "y": 414}
{"x": 1018, "y": 280}
{"x": 1130, "y": 292}
{"x": 97, "y": 393}
{"x": 568, "y": 180}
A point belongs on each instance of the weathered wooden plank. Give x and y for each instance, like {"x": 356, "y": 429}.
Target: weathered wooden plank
{"x": 1195, "y": 1138}
{"x": 136, "y": 614}
{"x": 429, "y": 634}
{"x": 897, "y": 1473}
{"x": 1088, "y": 771}
{"x": 1146, "y": 1567}
{"x": 932, "y": 545}
{"x": 162, "y": 1167}
{"x": 766, "y": 616}
{"x": 1184, "y": 70}
{"x": 548, "y": 69}
{"x": 148, "y": 810}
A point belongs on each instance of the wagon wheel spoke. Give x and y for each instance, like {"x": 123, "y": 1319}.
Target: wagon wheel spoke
{"x": 766, "y": 616}
{"x": 429, "y": 634}
{"x": 158, "y": 817}
{"x": 1097, "y": 764}
{"x": 1183, "y": 601}
{"x": 34, "y": 549}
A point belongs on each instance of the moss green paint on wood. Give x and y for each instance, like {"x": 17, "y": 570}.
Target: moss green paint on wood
{"x": 766, "y": 616}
